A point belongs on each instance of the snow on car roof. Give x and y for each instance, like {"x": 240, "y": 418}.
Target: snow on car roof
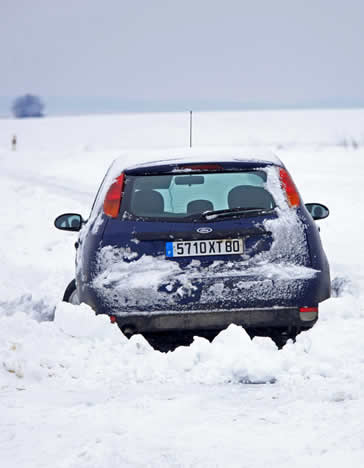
{"x": 193, "y": 155}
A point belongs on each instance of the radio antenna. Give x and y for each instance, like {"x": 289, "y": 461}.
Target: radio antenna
{"x": 190, "y": 129}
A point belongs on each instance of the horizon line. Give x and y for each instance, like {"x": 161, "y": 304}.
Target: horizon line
{"x": 139, "y": 109}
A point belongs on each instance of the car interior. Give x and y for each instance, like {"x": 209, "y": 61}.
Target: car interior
{"x": 151, "y": 202}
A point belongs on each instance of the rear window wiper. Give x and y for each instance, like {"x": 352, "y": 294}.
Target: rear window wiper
{"x": 232, "y": 211}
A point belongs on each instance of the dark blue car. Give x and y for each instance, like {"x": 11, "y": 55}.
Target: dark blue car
{"x": 185, "y": 247}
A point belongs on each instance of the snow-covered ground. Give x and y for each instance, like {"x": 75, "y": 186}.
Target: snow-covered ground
{"x": 76, "y": 393}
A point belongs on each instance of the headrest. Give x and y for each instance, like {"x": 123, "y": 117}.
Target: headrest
{"x": 146, "y": 202}
{"x": 199, "y": 206}
{"x": 250, "y": 196}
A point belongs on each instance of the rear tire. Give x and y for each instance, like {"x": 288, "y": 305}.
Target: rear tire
{"x": 71, "y": 294}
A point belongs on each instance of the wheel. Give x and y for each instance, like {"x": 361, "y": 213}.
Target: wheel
{"x": 70, "y": 294}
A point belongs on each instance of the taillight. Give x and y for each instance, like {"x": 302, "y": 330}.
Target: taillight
{"x": 113, "y": 197}
{"x": 289, "y": 187}
{"x": 308, "y": 309}
{"x": 308, "y": 314}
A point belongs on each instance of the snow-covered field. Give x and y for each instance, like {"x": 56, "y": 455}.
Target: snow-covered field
{"x": 76, "y": 393}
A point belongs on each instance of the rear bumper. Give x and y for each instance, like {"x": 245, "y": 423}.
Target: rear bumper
{"x": 238, "y": 297}
{"x": 279, "y": 317}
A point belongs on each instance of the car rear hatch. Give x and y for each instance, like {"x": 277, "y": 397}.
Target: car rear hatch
{"x": 193, "y": 238}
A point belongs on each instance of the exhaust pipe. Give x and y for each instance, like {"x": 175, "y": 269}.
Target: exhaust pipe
{"x": 129, "y": 330}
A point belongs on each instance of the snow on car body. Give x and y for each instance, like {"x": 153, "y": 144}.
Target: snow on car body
{"x": 194, "y": 244}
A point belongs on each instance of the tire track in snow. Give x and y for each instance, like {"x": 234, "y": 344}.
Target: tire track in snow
{"x": 63, "y": 188}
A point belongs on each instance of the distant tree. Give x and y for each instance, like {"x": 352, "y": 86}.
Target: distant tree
{"x": 28, "y": 106}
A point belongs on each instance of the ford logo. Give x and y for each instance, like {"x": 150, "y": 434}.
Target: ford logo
{"x": 204, "y": 230}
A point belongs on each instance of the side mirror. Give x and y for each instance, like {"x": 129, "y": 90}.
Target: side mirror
{"x": 317, "y": 210}
{"x": 69, "y": 222}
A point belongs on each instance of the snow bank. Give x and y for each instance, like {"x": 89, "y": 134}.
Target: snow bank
{"x": 80, "y": 345}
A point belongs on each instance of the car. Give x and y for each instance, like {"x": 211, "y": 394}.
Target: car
{"x": 186, "y": 246}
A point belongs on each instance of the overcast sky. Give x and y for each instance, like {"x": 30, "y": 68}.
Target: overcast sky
{"x": 188, "y": 53}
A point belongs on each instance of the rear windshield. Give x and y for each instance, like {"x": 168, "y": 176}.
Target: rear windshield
{"x": 187, "y": 195}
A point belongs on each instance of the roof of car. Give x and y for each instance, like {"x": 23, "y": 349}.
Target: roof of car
{"x": 196, "y": 156}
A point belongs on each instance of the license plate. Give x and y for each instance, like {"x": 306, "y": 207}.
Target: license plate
{"x": 204, "y": 247}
